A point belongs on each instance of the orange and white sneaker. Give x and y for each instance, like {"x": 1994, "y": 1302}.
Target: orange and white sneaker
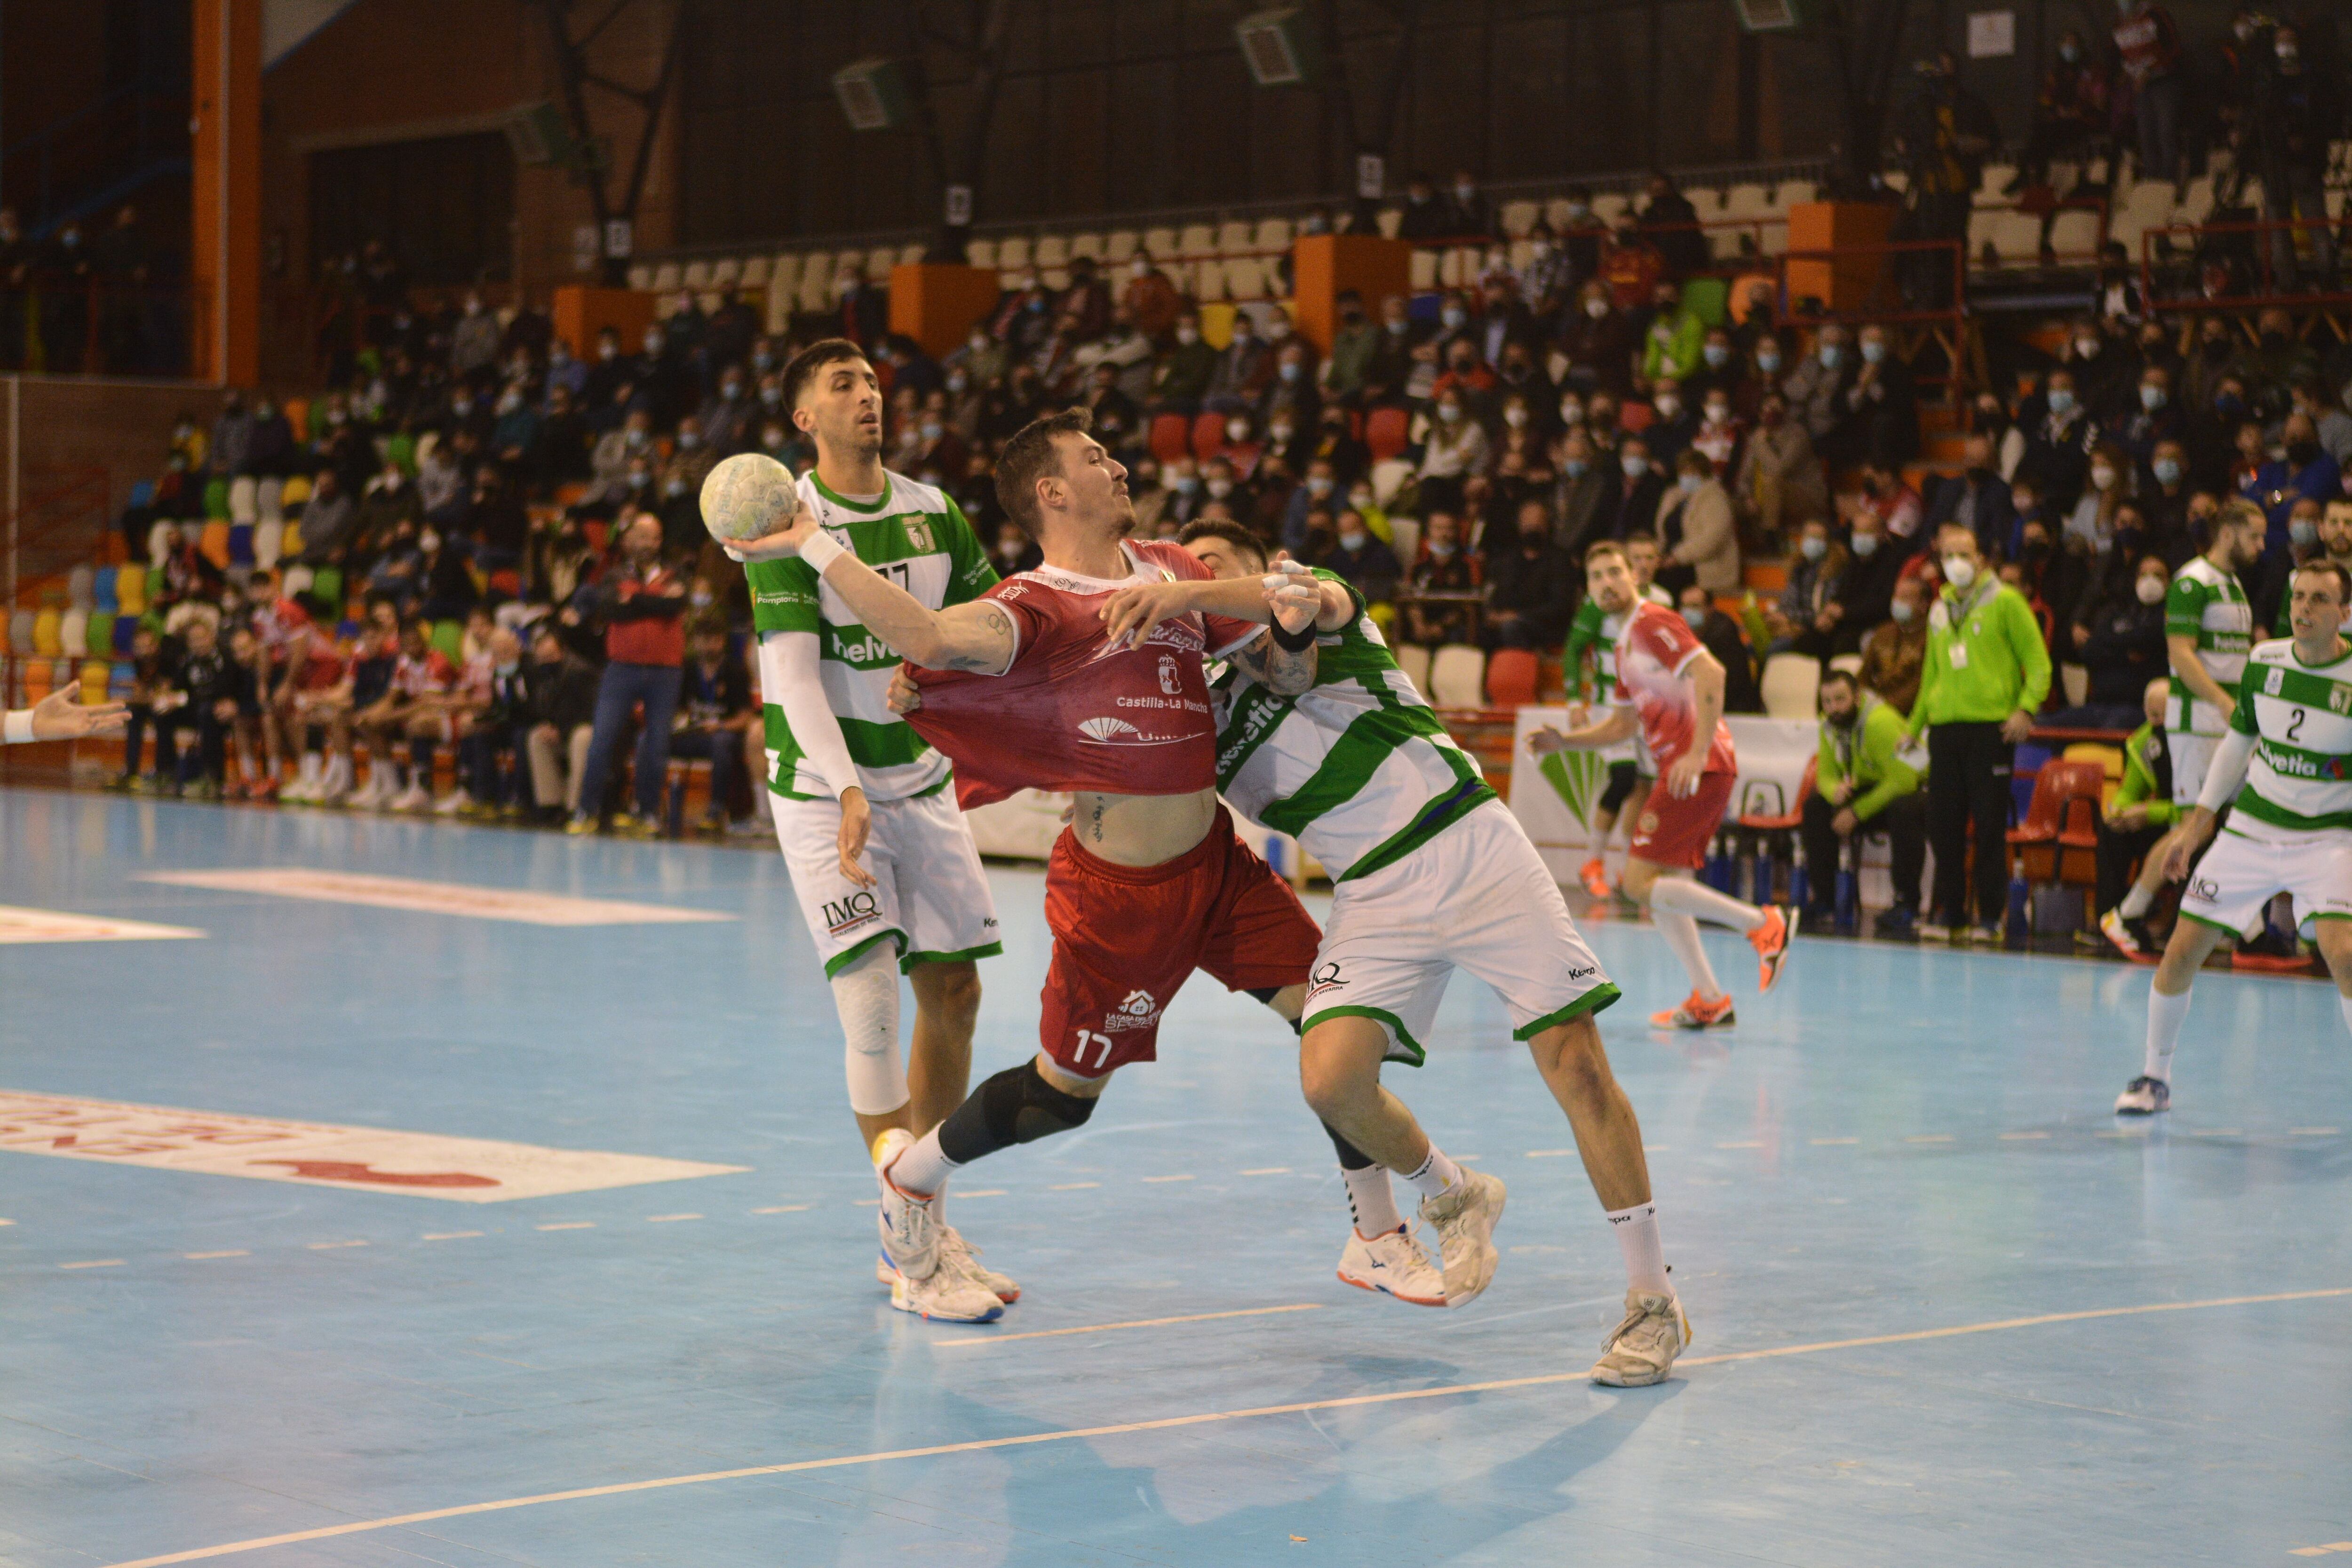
{"x": 1770, "y": 940}
{"x": 1394, "y": 1265}
{"x": 1696, "y": 1013}
{"x": 1595, "y": 878}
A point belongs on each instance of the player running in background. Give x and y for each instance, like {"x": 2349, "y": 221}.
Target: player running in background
{"x": 879, "y": 852}
{"x": 2207, "y": 628}
{"x": 1670, "y": 688}
{"x": 1632, "y": 771}
{"x": 1025, "y": 690}
{"x": 2290, "y": 828}
{"x": 1428, "y": 873}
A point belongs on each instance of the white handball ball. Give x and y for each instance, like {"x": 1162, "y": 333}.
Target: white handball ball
{"x": 747, "y": 495}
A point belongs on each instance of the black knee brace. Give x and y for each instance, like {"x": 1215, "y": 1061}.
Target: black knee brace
{"x": 1350, "y": 1157}
{"x": 1016, "y": 1106}
{"x": 1622, "y": 776}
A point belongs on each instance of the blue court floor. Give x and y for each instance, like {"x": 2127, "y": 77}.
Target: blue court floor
{"x": 1947, "y": 1311}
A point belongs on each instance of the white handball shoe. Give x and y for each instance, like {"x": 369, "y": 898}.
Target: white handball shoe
{"x": 2144, "y": 1096}
{"x": 414, "y": 798}
{"x": 1393, "y": 1264}
{"x": 927, "y": 1283}
{"x": 1641, "y": 1351}
{"x": 1464, "y": 1219}
{"x": 956, "y": 1253}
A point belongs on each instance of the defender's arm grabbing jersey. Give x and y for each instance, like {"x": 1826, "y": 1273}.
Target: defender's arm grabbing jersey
{"x": 1071, "y": 712}
{"x": 1357, "y": 768}
{"x": 916, "y": 536}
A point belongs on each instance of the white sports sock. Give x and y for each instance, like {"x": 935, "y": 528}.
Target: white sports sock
{"x": 1645, "y": 1260}
{"x": 1372, "y": 1200}
{"x": 2346, "y": 1003}
{"x": 1437, "y": 1174}
{"x": 922, "y": 1169}
{"x": 1686, "y": 896}
{"x": 2165, "y": 1017}
{"x": 2136, "y": 902}
{"x": 866, "y": 995}
{"x": 1681, "y": 933}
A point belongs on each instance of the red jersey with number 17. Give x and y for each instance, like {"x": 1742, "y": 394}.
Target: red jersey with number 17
{"x": 1654, "y": 652}
{"x": 1071, "y": 712}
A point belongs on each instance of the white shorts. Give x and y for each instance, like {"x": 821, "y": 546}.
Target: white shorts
{"x": 930, "y": 894}
{"x": 2191, "y": 756}
{"x": 2251, "y": 861}
{"x": 1476, "y": 897}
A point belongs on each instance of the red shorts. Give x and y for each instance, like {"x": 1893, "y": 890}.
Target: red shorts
{"x": 1126, "y": 938}
{"x": 1675, "y": 832}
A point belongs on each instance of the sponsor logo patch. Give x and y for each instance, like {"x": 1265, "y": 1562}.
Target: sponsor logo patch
{"x": 847, "y": 914}
{"x": 1139, "y": 1011}
{"x": 1325, "y": 979}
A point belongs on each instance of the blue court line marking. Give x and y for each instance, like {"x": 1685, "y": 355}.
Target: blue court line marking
{"x": 618, "y": 1488}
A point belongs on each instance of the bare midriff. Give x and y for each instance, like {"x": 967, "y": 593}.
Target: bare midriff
{"x": 1141, "y": 829}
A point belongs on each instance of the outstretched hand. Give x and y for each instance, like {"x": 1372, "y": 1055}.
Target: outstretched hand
{"x": 59, "y": 717}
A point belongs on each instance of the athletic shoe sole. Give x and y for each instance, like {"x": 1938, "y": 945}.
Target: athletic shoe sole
{"x": 1379, "y": 1290}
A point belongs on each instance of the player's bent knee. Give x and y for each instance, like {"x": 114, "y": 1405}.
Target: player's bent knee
{"x": 1022, "y": 1107}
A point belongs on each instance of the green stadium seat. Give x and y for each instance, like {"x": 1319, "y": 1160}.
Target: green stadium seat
{"x": 449, "y": 637}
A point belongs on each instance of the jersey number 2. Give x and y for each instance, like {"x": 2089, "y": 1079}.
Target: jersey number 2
{"x": 2294, "y": 727}
{"x": 1086, "y": 1037}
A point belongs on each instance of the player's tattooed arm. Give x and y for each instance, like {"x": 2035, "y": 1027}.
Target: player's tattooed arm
{"x": 977, "y": 636}
{"x": 1278, "y": 670}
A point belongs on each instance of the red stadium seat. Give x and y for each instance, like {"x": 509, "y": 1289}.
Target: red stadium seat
{"x": 1208, "y": 436}
{"x": 2040, "y": 836}
{"x": 1511, "y": 677}
{"x": 1635, "y": 417}
{"x": 1791, "y": 820}
{"x": 1386, "y": 433}
{"x": 1171, "y": 438}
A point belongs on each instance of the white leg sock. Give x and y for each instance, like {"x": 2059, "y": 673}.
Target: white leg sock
{"x": 1681, "y": 933}
{"x": 2136, "y": 902}
{"x": 1436, "y": 1174}
{"x": 923, "y": 1169}
{"x": 865, "y": 994}
{"x": 1645, "y": 1260}
{"x": 1684, "y": 896}
{"x": 1372, "y": 1201}
{"x": 2165, "y": 1017}
{"x": 2346, "y": 1003}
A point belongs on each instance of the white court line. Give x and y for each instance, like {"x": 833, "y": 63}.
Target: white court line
{"x": 1149, "y": 1179}
{"x": 669, "y": 1218}
{"x": 569, "y": 1224}
{"x": 1138, "y": 1323}
{"x": 434, "y": 898}
{"x": 95, "y": 1263}
{"x": 1268, "y": 1171}
{"x": 619, "y": 1489}
{"x": 449, "y": 1235}
{"x": 233, "y": 1252}
{"x": 782, "y": 1208}
{"x": 18, "y": 924}
{"x": 1072, "y": 1186}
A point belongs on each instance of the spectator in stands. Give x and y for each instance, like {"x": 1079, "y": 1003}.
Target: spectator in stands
{"x": 1243, "y": 371}
{"x": 1866, "y": 589}
{"x": 2302, "y": 472}
{"x": 1586, "y": 504}
{"x": 714, "y": 719}
{"x": 1598, "y": 340}
{"x": 1529, "y": 585}
{"x": 1887, "y": 497}
{"x": 1778, "y": 482}
{"x": 2133, "y": 822}
{"x": 1547, "y": 278}
{"x": 1864, "y": 786}
{"x": 1642, "y": 489}
{"x": 561, "y": 457}
{"x": 1975, "y": 705}
{"x": 270, "y": 449}
{"x": 1978, "y": 499}
{"x": 2058, "y": 445}
{"x": 474, "y": 341}
{"x": 559, "y": 689}
{"x": 1454, "y": 449}
{"x": 1675, "y": 343}
{"x": 2279, "y": 359}
{"x": 1444, "y": 566}
{"x": 2155, "y": 421}
{"x": 2150, "y": 46}
{"x": 1943, "y": 134}
{"x": 2165, "y": 501}
{"x": 2070, "y": 113}
{"x": 2330, "y": 420}
{"x": 2101, "y": 375}
{"x": 1806, "y": 615}
{"x": 1670, "y": 224}
{"x": 2093, "y": 521}
{"x": 1674, "y": 421}
{"x": 1355, "y": 342}
{"x": 66, "y": 271}
{"x": 1335, "y": 442}
{"x": 2298, "y": 113}
{"x": 1364, "y": 562}
{"x": 1721, "y": 633}
{"x": 1424, "y": 217}
{"x": 2118, "y": 637}
{"x": 1291, "y": 401}
{"x": 1696, "y": 529}
{"x": 328, "y": 519}
{"x": 1150, "y": 299}
{"x": 640, "y": 602}
{"x": 1816, "y": 391}
{"x": 1895, "y": 650}
{"x": 1719, "y": 431}
{"x": 1882, "y": 404}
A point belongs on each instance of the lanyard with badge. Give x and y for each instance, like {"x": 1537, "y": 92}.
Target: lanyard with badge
{"x": 1964, "y": 607}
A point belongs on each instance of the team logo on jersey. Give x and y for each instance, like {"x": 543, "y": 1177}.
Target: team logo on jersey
{"x": 1012, "y": 590}
{"x": 1139, "y": 1011}
{"x": 1171, "y": 679}
{"x": 2275, "y": 680}
{"x": 847, "y": 914}
{"x": 2339, "y": 699}
{"x": 1649, "y": 823}
{"x": 918, "y": 534}
{"x": 1107, "y": 729}
{"x": 1325, "y": 979}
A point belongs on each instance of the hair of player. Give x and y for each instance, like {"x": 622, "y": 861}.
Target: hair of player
{"x": 1251, "y": 547}
{"x": 1600, "y": 547}
{"x": 801, "y": 368}
{"x": 1028, "y": 456}
{"x": 2334, "y": 568}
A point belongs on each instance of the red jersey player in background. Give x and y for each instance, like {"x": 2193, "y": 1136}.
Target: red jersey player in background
{"x": 1671, "y": 689}
{"x": 1023, "y": 689}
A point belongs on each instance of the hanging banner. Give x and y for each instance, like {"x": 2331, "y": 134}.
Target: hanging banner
{"x": 1554, "y": 796}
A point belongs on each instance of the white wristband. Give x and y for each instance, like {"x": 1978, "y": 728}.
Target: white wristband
{"x": 16, "y": 729}
{"x": 822, "y": 551}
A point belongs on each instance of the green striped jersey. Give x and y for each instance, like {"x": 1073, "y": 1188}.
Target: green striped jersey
{"x": 2301, "y": 718}
{"x": 2206, "y": 603}
{"x": 1357, "y": 768}
{"x": 916, "y": 536}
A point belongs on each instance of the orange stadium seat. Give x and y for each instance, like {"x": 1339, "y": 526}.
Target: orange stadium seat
{"x": 1386, "y": 433}
{"x": 1511, "y": 676}
{"x": 1208, "y": 436}
{"x": 1171, "y": 438}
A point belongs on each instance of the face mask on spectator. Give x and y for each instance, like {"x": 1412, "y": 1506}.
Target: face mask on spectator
{"x": 1873, "y": 350}
{"x": 1237, "y": 430}
{"x": 2166, "y": 471}
{"x": 653, "y": 343}
{"x": 1667, "y": 404}
{"x": 1360, "y": 499}
{"x": 2152, "y": 398}
{"x": 1812, "y": 547}
{"x": 2150, "y": 589}
{"x": 1718, "y": 412}
{"x": 1579, "y": 211}
{"x": 2086, "y": 348}
{"x": 1188, "y": 336}
{"x": 1902, "y": 612}
{"x": 638, "y": 479}
{"x": 1768, "y": 360}
{"x": 2288, "y": 54}
{"x": 1515, "y": 417}
{"x": 1318, "y": 486}
{"x": 688, "y": 437}
{"x": 674, "y": 488}
{"x": 1450, "y": 413}
{"x": 1865, "y": 545}
{"x": 1959, "y": 571}
{"x": 731, "y": 390}
{"x": 2302, "y": 532}
{"x": 1689, "y": 483}
{"x": 933, "y": 429}
{"x": 2062, "y": 400}
{"x": 1634, "y": 464}
{"x": 1441, "y": 552}
{"x": 1831, "y": 355}
{"x": 1452, "y": 316}
{"x": 1220, "y": 488}
{"x": 1241, "y": 332}
{"x": 607, "y": 350}
{"x": 772, "y": 439}
{"x": 1278, "y": 328}
{"x": 428, "y": 542}
{"x": 1351, "y": 539}
{"x": 1291, "y": 371}
{"x": 2103, "y": 478}
{"x": 1596, "y": 306}
{"x": 1717, "y": 355}
{"x": 1571, "y": 412}
{"x": 1578, "y": 467}
{"x": 1186, "y": 483}
{"x": 509, "y": 403}
{"x": 1696, "y": 616}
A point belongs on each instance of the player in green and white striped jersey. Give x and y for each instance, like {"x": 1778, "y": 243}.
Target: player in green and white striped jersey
{"x": 2287, "y": 762}
{"x": 1430, "y": 872}
{"x": 2207, "y": 628}
{"x": 879, "y": 853}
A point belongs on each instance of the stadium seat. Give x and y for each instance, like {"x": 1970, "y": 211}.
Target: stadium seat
{"x": 20, "y": 632}
{"x": 1412, "y": 658}
{"x": 2074, "y": 232}
{"x": 217, "y": 496}
{"x": 1610, "y": 206}
{"x": 755, "y": 272}
{"x": 242, "y": 507}
{"x": 1172, "y": 437}
{"x": 92, "y": 676}
{"x": 297, "y": 580}
{"x": 240, "y": 544}
{"x": 125, "y": 628}
{"x": 1123, "y": 243}
{"x": 289, "y": 543}
{"x": 878, "y": 263}
{"x": 1388, "y": 221}
{"x": 269, "y": 540}
{"x": 1386, "y": 433}
{"x": 296, "y": 491}
{"x": 213, "y": 543}
{"x": 1556, "y": 214}
{"x": 1208, "y": 436}
{"x": 1423, "y": 275}
{"x": 641, "y": 277}
{"x": 1708, "y": 298}
{"x": 1012, "y": 253}
{"x": 130, "y": 590}
{"x": 1272, "y": 236}
{"x": 666, "y": 276}
{"x": 980, "y": 253}
{"x": 1849, "y": 662}
{"x": 1747, "y": 201}
{"x": 1457, "y": 677}
{"x": 1792, "y": 685}
{"x": 269, "y": 498}
{"x": 73, "y": 633}
{"x": 1051, "y": 250}
{"x": 327, "y": 584}
{"x": 449, "y": 638}
{"x": 1208, "y": 281}
{"x": 726, "y": 272}
{"x": 697, "y": 275}
{"x": 1405, "y": 537}
{"x": 1519, "y": 218}
{"x": 101, "y": 590}
{"x": 1161, "y": 244}
{"x": 1245, "y": 278}
{"x": 1198, "y": 240}
{"x": 98, "y": 637}
{"x": 1086, "y": 245}
{"x": 2076, "y": 679}
{"x": 1511, "y": 676}
{"x": 1389, "y": 476}
{"x": 2036, "y": 840}
{"x": 1768, "y": 838}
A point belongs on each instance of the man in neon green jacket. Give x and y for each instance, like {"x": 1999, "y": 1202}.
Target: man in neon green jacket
{"x": 1863, "y": 785}
{"x": 1986, "y": 675}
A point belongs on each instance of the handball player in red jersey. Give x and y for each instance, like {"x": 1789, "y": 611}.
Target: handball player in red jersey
{"x": 1023, "y": 689}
